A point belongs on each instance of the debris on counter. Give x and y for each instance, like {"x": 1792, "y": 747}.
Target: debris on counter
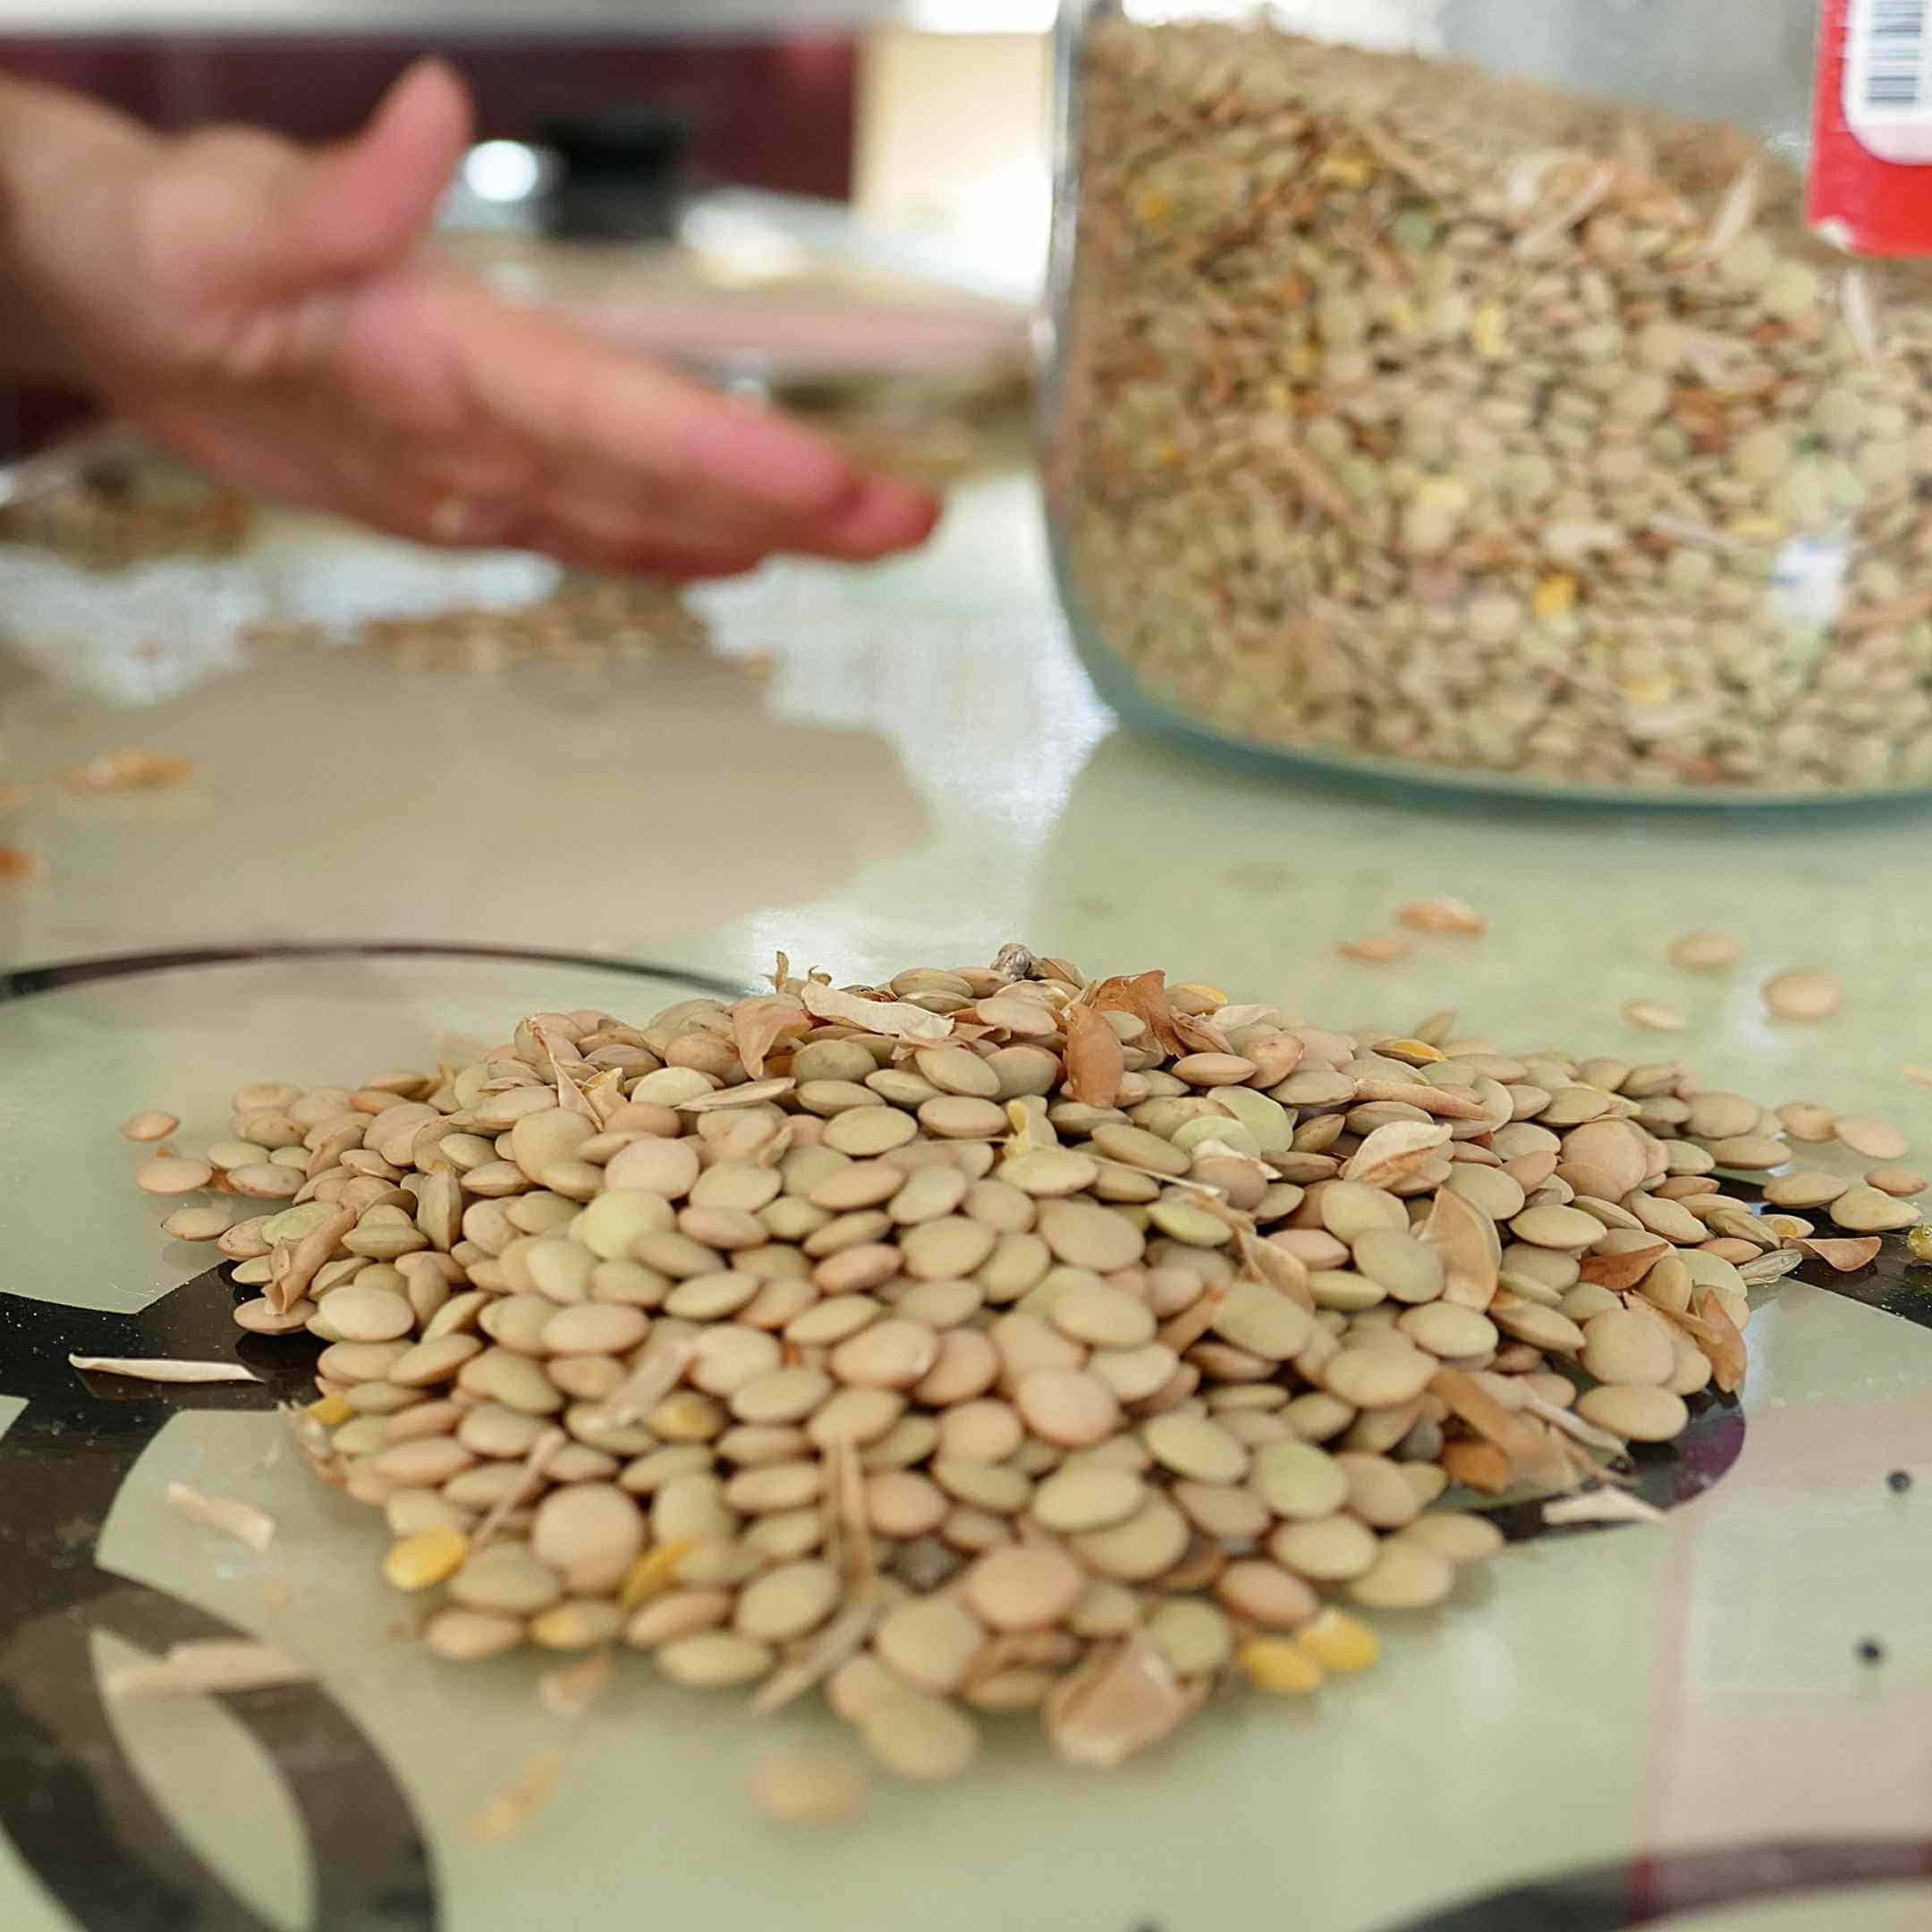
{"x": 18, "y": 865}
{"x": 1654, "y": 1016}
{"x": 1605, "y": 1505}
{"x": 1378, "y": 949}
{"x": 160, "y": 1369}
{"x": 1803, "y": 996}
{"x": 1706, "y": 952}
{"x": 570, "y": 1689}
{"x": 809, "y": 1787}
{"x": 129, "y": 508}
{"x": 509, "y": 1810}
{"x": 1870, "y": 1650}
{"x": 1444, "y": 916}
{"x": 587, "y": 616}
{"x": 128, "y": 771}
{"x": 206, "y": 1665}
{"x": 1898, "y": 1481}
{"x": 241, "y": 1520}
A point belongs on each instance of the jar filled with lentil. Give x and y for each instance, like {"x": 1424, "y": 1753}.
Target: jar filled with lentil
{"x": 1460, "y": 391}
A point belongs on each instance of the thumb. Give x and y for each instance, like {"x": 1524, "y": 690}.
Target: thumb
{"x": 242, "y": 217}
{"x": 361, "y": 206}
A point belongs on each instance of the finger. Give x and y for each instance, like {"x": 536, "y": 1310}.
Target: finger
{"x": 607, "y": 424}
{"x": 256, "y": 460}
{"x": 364, "y": 204}
{"x": 888, "y": 514}
{"x": 584, "y": 531}
{"x": 605, "y": 415}
{"x": 884, "y": 516}
{"x": 256, "y": 221}
{"x": 589, "y": 537}
{"x": 723, "y": 483}
{"x": 478, "y": 500}
{"x": 621, "y": 538}
{"x": 665, "y": 563}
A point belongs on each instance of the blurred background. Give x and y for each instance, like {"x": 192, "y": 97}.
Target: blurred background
{"x": 806, "y": 188}
{"x": 787, "y": 194}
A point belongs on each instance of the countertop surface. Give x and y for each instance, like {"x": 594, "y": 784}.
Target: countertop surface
{"x": 870, "y": 770}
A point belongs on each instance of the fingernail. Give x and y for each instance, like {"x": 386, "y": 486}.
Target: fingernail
{"x": 770, "y": 460}
{"x": 888, "y": 515}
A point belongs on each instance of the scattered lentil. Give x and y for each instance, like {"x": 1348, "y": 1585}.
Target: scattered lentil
{"x": 1803, "y": 996}
{"x": 814, "y": 1787}
{"x": 1706, "y": 952}
{"x": 1654, "y": 1015}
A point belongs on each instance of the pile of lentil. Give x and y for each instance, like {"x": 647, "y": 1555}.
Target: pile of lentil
{"x": 1409, "y": 410}
{"x": 995, "y": 1340}
{"x": 588, "y": 617}
{"x": 127, "y": 509}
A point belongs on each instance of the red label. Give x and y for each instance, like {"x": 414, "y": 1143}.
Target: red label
{"x": 1870, "y": 189}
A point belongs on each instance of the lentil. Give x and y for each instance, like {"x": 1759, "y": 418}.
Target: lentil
{"x": 1431, "y": 415}
{"x": 833, "y": 1450}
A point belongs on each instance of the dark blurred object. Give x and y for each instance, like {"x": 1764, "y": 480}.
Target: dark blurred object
{"x": 622, "y": 173}
{"x": 35, "y": 419}
{"x": 775, "y": 114}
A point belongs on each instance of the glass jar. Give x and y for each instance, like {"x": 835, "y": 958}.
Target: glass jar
{"x": 1454, "y": 390}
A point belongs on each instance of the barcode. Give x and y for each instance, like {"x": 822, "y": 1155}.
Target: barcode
{"x": 1869, "y": 191}
{"x": 1894, "y": 53}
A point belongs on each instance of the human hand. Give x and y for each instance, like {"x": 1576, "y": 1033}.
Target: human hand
{"x": 261, "y": 308}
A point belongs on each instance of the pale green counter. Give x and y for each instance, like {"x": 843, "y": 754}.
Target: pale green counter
{"x": 905, "y": 765}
